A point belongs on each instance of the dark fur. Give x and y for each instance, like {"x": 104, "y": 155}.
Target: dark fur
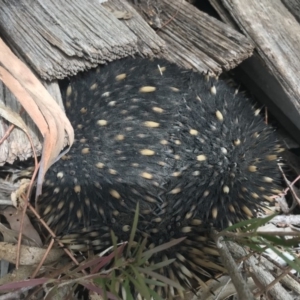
{"x": 192, "y": 107}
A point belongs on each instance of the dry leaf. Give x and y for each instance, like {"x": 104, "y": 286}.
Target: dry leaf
{"x": 13, "y": 217}
{"x": 40, "y": 106}
{"x": 11, "y": 236}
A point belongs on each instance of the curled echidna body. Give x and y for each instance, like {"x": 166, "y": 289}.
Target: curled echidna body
{"x": 190, "y": 150}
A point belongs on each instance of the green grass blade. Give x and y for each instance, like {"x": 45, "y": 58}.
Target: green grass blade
{"x": 133, "y": 229}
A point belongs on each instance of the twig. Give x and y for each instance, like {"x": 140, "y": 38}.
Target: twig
{"x": 43, "y": 259}
{"x": 264, "y": 277}
{"x": 269, "y": 286}
{"x": 238, "y": 235}
{"x": 54, "y": 236}
{"x": 235, "y": 275}
{"x": 7, "y": 133}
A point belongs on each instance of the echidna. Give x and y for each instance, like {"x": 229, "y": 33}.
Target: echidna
{"x": 188, "y": 148}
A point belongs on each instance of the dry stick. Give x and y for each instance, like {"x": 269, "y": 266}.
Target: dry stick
{"x": 264, "y": 277}
{"x": 24, "y": 211}
{"x": 293, "y": 182}
{"x": 167, "y": 22}
{"x": 279, "y": 266}
{"x": 27, "y": 204}
{"x": 270, "y": 285}
{"x": 235, "y": 275}
{"x": 54, "y": 275}
{"x": 36, "y": 164}
{"x": 10, "y": 129}
{"x": 239, "y": 235}
{"x": 54, "y": 236}
{"x": 7, "y": 133}
{"x": 43, "y": 259}
{"x": 291, "y": 281}
{"x": 290, "y": 185}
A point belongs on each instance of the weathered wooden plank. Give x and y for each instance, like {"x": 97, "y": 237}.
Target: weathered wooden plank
{"x": 57, "y": 41}
{"x": 275, "y": 70}
{"x": 61, "y": 38}
{"x": 294, "y": 7}
{"x": 194, "y": 39}
{"x": 149, "y": 43}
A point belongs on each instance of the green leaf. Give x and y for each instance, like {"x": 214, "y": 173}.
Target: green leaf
{"x": 155, "y": 295}
{"x": 162, "y": 247}
{"x": 279, "y": 241}
{"x": 141, "y": 248}
{"x": 111, "y": 282}
{"x": 248, "y": 225}
{"x": 133, "y": 229}
{"x": 114, "y": 243}
{"x": 118, "y": 261}
{"x": 161, "y": 278}
{"x": 161, "y": 264}
{"x": 142, "y": 287}
{"x": 150, "y": 281}
{"x": 136, "y": 248}
{"x": 254, "y": 246}
{"x": 294, "y": 264}
{"x": 261, "y": 222}
{"x": 126, "y": 287}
